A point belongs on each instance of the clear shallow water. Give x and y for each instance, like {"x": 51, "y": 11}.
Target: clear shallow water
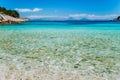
{"x": 82, "y": 49}
{"x": 64, "y": 25}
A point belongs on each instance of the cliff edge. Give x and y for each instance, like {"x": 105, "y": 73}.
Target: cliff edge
{"x": 10, "y": 16}
{"x": 6, "y": 19}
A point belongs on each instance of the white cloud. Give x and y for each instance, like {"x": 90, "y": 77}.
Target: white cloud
{"x": 28, "y": 10}
{"x": 75, "y": 17}
{"x": 48, "y": 17}
{"x": 37, "y": 9}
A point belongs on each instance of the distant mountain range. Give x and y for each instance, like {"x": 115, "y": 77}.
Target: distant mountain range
{"x": 83, "y": 19}
{"x": 72, "y": 19}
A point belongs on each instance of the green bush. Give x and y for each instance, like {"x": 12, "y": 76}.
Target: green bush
{"x": 12, "y": 13}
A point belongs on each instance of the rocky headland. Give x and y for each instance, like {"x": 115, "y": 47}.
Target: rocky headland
{"x": 10, "y": 16}
{"x": 6, "y": 19}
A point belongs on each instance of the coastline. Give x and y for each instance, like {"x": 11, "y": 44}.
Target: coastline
{"x": 6, "y": 19}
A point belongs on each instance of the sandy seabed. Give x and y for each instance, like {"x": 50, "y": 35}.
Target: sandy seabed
{"x": 60, "y": 55}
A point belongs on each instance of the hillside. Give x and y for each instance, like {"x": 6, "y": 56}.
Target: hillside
{"x": 12, "y": 13}
{"x": 10, "y": 16}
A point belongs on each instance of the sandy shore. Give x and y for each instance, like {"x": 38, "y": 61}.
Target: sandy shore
{"x": 59, "y": 55}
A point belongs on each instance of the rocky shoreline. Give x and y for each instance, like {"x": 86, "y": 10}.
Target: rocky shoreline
{"x": 6, "y": 19}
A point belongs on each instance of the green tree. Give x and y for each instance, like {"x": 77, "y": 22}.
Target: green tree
{"x": 12, "y": 13}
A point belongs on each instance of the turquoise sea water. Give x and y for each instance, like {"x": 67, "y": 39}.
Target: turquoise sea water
{"x": 81, "y": 48}
{"x": 64, "y": 25}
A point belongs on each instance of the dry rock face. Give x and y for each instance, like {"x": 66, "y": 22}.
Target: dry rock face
{"x": 5, "y": 19}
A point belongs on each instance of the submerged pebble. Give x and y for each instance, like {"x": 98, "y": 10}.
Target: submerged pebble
{"x": 65, "y": 54}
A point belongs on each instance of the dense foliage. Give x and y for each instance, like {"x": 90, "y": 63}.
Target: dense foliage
{"x": 12, "y": 13}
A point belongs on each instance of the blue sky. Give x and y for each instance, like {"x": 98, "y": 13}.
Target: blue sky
{"x": 64, "y": 9}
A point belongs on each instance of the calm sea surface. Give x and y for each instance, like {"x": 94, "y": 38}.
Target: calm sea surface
{"x": 64, "y": 25}
{"x": 84, "y": 48}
